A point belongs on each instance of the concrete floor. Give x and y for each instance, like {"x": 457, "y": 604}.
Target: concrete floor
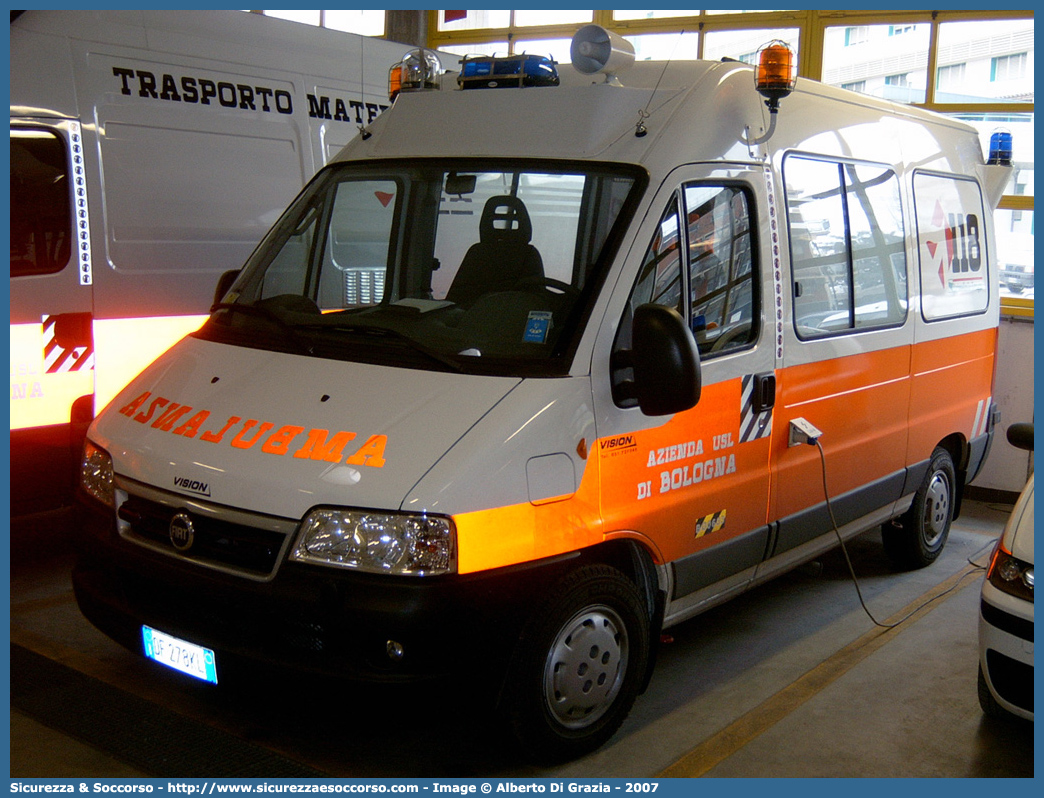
{"x": 789, "y": 680}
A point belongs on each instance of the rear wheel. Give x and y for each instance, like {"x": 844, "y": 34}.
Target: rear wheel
{"x": 578, "y": 666}
{"x": 917, "y": 539}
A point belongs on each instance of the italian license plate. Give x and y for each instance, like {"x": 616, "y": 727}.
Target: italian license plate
{"x": 179, "y": 654}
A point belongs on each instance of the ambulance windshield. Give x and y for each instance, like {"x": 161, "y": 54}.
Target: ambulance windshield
{"x": 474, "y": 266}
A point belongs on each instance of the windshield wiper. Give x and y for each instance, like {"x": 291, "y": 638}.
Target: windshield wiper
{"x": 387, "y": 332}
{"x": 303, "y": 347}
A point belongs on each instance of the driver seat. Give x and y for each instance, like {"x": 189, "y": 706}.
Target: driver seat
{"x": 503, "y": 255}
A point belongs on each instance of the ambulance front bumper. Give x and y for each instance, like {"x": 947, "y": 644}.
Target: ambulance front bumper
{"x": 307, "y": 618}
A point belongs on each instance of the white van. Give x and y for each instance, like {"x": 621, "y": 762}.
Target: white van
{"x": 613, "y": 314}
{"x": 150, "y": 151}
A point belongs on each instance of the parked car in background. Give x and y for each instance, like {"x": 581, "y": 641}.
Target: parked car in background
{"x": 1006, "y": 609}
{"x": 1015, "y": 251}
{"x": 1017, "y": 277}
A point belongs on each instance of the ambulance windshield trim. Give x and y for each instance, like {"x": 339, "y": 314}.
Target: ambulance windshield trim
{"x": 474, "y": 266}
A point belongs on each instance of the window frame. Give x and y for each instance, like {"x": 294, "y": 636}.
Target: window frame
{"x": 922, "y": 269}
{"x": 62, "y": 249}
{"x": 851, "y": 253}
{"x": 677, "y": 207}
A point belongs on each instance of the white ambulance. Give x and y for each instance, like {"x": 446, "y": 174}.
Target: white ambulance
{"x": 150, "y": 152}
{"x": 611, "y": 311}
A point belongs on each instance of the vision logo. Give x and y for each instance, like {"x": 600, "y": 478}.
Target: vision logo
{"x": 192, "y": 485}
{"x": 617, "y": 444}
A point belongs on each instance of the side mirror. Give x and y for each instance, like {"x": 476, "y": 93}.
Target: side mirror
{"x": 667, "y": 375}
{"x": 1021, "y": 436}
{"x": 224, "y": 283}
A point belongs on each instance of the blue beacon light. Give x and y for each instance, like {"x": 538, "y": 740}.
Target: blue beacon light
{"x": 1000, "y": 149}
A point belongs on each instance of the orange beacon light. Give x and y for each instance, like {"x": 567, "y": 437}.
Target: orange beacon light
{"x": 775, "y": 77}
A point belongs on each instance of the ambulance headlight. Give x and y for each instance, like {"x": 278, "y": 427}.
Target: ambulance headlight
{"x": 96, "y": 474}
{"x": 385, "y": 543}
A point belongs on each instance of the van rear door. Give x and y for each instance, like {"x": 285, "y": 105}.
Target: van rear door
{"x": 52, "y": 350}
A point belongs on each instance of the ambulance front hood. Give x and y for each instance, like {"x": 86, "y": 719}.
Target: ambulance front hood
{"x": 279, "y": 434}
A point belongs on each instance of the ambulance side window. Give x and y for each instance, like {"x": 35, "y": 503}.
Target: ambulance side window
{"x": 722, "y": 290}
{"x": 355, "y": 259}
{"x": 660, "y": 277}
{"x": 847, "y": 244}
{"x": 954, "y": 272}
{"x": 704, "y": 270}
{"x": 875, "y": 221}
{"x": 659, "y": 282}
{"x": 288, "y": 267}
{"x": 41, "y": 222}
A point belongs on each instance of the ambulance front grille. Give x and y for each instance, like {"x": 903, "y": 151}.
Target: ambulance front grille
{"x": 244, "y": 544}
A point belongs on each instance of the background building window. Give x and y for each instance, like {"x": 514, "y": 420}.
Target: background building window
{"x": 950, "y": 78}
{"x": 1009, "y": 67}
{"x": 854, "y": 36}
{"x": 365, "y": 23}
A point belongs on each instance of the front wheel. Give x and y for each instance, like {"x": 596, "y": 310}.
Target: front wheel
{"x": 578, "y": 666}
{"x": 919, "y": 536}
{"x": 989, "y": 705}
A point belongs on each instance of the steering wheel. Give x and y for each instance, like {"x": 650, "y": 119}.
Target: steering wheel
{"x": 729, "y": 337}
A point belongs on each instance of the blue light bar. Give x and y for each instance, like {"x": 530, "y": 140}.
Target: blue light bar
{"x": 512, "y": 71}
{"x": 1000, "y": 149}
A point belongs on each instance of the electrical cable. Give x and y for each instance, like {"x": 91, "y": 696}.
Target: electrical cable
{"x": 848, "y": 560}
{"x": 643, "y": 113}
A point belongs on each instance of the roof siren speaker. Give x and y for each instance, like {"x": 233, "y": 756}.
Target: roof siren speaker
{"x": 594, "y": 50}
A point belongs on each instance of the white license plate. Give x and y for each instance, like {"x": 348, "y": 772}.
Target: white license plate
{"x": 179, "y": 654}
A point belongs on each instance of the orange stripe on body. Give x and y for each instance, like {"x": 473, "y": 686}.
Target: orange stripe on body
{"x": 655, "y": 487}
{"x": 524, "y": 532}
{"x": 39, "y": 398}
{"x": 688, "y": 468}
{"x": 860, "y": 402}
{"x": 947, "y": 390}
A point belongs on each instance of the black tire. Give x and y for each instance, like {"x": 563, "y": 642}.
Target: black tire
{"x": 989, "y": 705}
{"x": 578, "y": 666}
{"x": 918, "y": 538}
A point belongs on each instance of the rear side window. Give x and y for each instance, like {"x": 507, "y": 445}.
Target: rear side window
{"x": 951, "y": 246}
{"x": 847, "y": 246}
{"x": 40, "y": 212}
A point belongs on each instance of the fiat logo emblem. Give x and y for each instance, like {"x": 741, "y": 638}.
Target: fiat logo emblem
{"x": 182, "y": 532}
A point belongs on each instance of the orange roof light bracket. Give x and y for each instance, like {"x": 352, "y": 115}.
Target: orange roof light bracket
{"x": 774, "y": 79}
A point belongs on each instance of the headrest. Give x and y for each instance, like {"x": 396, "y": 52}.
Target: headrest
{"x": 505, "y": 218}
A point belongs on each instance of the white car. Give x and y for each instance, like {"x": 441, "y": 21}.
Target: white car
{"x": 1006, "y": 609}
